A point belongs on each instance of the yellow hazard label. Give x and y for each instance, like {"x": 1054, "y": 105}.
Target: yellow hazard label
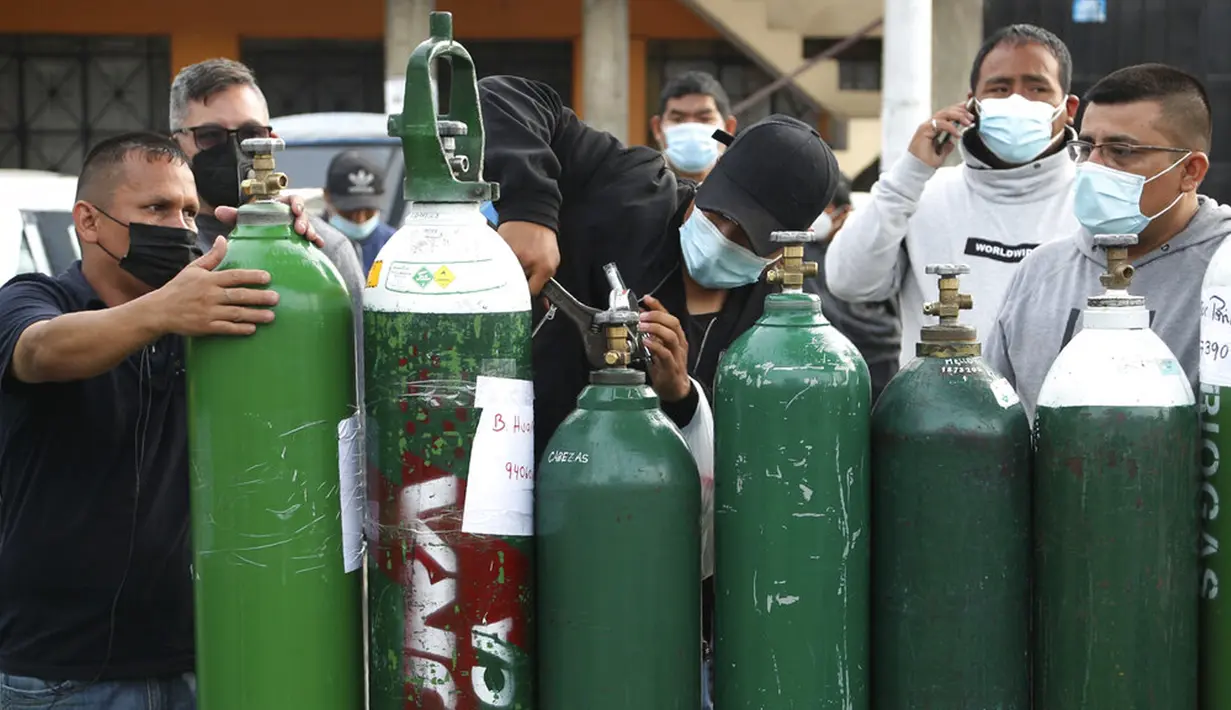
{"x": 443, "y": 277}
{"x": 374, "y": 274}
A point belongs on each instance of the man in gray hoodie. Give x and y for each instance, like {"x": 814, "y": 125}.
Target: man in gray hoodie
{"x": 1141, "y": 156}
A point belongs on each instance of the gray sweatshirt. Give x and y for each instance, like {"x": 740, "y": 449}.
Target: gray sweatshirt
{"x": 1043, "y": 304}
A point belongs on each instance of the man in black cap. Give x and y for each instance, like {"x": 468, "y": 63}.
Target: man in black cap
{"x": 354, "y": 190}
{"x": 574, "y": 198}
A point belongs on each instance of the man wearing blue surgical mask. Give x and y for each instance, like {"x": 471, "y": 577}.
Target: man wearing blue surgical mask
{"x": 1011, "y": 192}
{"x": 1141, "y": 157}
{"x": 354, "y": 190}
{"x": 693, "y": 105}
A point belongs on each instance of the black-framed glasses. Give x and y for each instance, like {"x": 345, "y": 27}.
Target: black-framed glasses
{"x": 1116, "y": 152}
{"x": 211, "y": 135}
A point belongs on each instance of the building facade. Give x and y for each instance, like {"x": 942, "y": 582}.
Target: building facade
{"x": 72, "y": 73}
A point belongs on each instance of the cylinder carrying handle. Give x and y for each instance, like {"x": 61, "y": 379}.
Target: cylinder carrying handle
{"x": 433, "y": 172}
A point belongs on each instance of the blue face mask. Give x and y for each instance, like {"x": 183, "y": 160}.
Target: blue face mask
{"x": 1108, "y": 201}
{"x": 1016, "y": 129}
{"x": 354, "y": 230}
{"x": 714, "y": 261}
{"x": 691, "y": 147}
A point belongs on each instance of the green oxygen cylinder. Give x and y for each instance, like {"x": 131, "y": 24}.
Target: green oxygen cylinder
{"x": 791, "y": 508}
{"x": 618, "y": 552}
{"x": 1215, "y": 407}
{"x": 276, "y": 528}
{"x": 951, "y": 525}
{"x": 450, "y": 419}
{"x": 1115, "y": 513}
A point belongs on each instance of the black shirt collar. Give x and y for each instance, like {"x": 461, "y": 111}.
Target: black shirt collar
{"x": 83, "y": 293}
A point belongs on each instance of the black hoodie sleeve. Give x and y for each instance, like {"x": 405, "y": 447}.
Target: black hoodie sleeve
{"x": 522, "y": 121}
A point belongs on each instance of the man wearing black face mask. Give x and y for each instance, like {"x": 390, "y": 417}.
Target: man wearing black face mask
{"x": 95, "y": 591}
{"x": 215, "y": 106}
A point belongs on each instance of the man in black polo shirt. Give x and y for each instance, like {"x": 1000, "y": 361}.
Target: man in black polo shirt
{"x": 95, "y": 592}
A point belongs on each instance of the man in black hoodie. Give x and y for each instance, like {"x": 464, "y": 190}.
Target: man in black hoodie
{"x": 574, "y": 198}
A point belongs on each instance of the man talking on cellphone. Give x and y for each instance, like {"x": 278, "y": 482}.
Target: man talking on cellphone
{"x": 1011, "y": 193}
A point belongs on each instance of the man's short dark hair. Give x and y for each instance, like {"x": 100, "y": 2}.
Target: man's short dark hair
{"x": 98, "y": 173}
{"x": 1018, "y": 35}
{"x": 695, "y": 82}
{"x": 201, "y": 81}
{"x": 842, "y": 196}
{"x": 1185, "y": 103}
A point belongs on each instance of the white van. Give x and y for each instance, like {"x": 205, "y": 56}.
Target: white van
{"x": 36, "y": 223}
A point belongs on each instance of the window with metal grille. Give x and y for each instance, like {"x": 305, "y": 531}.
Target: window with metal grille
{"x": 61, "y": 94}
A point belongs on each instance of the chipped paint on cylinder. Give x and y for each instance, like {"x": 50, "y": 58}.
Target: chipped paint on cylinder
{"x": 1116, "y": 563}
{"x": 618, "y": 501}
{"x": 278, "y": 618}
{"x": 451, "y": 612}
{"x": 951, "y": 539}
{"x": 791, "y": 515}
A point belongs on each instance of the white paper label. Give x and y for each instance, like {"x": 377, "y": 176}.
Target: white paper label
{"x": 1005, "y": 394}
{"x": 500, "y": 478}
{"x": 350, "y": 491}
{"x": 1216, "y": 336}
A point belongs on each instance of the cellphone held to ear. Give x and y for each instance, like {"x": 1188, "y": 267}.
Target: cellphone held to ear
{"x": 943, "y": 137}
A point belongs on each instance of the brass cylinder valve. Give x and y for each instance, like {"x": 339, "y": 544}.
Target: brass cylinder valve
{"x": 1119, "y": 271}
{"x": 1119, "y": 275}
{"x": 618, "y": 328}
{"x": 948, "y": 338}
{"x": 792, "y": 270}
{"x": 265, "y": 182}
{"x": 951, "y": 301}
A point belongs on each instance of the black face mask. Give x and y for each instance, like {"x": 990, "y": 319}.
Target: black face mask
{"x": 155, "y": 253}
{"x": 219, "y": 171}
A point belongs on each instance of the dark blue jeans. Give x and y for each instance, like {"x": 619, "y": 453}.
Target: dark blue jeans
{"x": 173, "y": 693}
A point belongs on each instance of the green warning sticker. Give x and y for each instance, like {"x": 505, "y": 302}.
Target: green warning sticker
{"x": 423, "y": 277}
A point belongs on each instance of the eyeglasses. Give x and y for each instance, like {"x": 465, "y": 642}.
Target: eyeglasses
{"x": 212, "y": 135}
{"x": 1116, "y": 152}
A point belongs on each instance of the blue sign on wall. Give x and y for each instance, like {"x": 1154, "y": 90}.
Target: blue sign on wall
{"x": 1089, "y": 10}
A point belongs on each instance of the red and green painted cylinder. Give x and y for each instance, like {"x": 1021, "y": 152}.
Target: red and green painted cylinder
{"x": 1215, "y": 436}
{"x": 275, "y": 526}
{"x": 1115, "y": 513}
{"x": 450, "y": 421}
{"x": 951, "y": 526}
{"x": 617, "y": 511}
{"x": 791, "y": 508}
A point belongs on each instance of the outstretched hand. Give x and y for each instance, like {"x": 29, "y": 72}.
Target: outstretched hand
{"x": 201, "y": 301}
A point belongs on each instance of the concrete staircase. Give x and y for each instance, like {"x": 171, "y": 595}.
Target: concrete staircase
{"x": 772, "y": 32}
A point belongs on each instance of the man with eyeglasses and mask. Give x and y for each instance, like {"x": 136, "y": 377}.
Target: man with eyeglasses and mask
{"x": 95, "y": 586}
{"x": 1141, "y": 156}
{"x": 216, "y": 105}
{"x": 1011, "y": 193}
